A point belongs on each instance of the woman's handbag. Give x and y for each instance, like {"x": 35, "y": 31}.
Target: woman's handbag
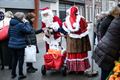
{"x": 4, "y": 33}
{"x": 30, "y": 53}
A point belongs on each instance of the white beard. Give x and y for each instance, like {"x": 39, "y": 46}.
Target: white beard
{"x": 48, "y": 20}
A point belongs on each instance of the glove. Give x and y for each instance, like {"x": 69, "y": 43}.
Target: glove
{"x": 55, "y": 26}
{"x": 25, "y": 20}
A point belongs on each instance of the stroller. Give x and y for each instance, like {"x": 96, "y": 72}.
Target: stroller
{"x": 54, "y": 59}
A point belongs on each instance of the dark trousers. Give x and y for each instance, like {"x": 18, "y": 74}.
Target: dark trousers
{"x": 105, "y": 74}
{"x": 18, "y": 56}
{"x": 5, "y": 55}
{"x": 1, "y": 57}
{"x": 94, "y": 37}
{"x": 47, "y": 46}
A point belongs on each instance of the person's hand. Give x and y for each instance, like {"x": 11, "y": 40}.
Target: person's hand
{"x": 46, "y": 32}
{"x": 25, "y": 20}
{"x": 55, "y": 26}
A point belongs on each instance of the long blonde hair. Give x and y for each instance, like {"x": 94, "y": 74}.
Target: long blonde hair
{"x": 115, "y": 11}
{"x": 8, "y": 14}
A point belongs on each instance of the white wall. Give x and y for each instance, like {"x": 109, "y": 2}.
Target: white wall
{"x": 2, "y": 9}
{"x": 22, "y": 4}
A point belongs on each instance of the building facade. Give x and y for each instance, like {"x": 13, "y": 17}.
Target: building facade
{"x": 66, "y": 4}
{"x": 21, "y": 5}
{"x": 59, "y": 7}
{"x": 108, "y": 4}
{"x": 89, "y": 8}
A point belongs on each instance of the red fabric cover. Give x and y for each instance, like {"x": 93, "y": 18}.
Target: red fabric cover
{"x": 53, "y": 63}
{"x": 4, "y": 33}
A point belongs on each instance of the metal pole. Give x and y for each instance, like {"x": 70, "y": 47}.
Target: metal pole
{"x": 74, "y": 2}
{"x": 92, "y": 72}
{"x": 93, "y": 31}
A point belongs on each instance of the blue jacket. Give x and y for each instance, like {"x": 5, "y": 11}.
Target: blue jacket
{"x": 17, "y": 33}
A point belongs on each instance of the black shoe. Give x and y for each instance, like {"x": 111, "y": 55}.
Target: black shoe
{"x": 13, "y": 76}
{"x": 2, "y": 68}
{"x": 34, "y": 68}
{"x": 81, "y": 72}
{"x": 21, "y": 77}
{"x": 30, "y": 70}
{"x": 10, "y": 67}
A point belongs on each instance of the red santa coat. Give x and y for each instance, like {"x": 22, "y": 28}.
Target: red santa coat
{"x": 56, "y": 35}
{"x": 77, "y": 44}
{"x": 77, "y": 40}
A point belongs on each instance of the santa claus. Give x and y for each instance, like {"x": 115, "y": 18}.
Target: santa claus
{"x": 78, "y": 43}
{"x": 50, "y": 26}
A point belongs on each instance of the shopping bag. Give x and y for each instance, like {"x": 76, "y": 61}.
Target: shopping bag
{"x": 30, "y": 53}
{"x": 53, "y": 62}
{"x": 4, "y": 33}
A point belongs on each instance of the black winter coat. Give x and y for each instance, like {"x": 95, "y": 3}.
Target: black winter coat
{"x": 107, "y": 50}
{"x": 105, "y": 24}
{"x": 31, "y": 38}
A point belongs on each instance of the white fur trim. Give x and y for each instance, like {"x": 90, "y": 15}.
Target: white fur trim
{"x": 55, "y": 26}
{"x": 77, "y": 59}
{"x": 65, "y": 28}
{"x": 79, "y": 36}
{"x": 47, "y": 20}
{"x": 46, "y": 39}
{"x": 49, "y": 11}
{"x": 68, "y": 11}
{"x": 5, "y": 22}
{"x": 58, "y": 39}
{"x": 89, "y": 28}
{"x": 76, "y": 24}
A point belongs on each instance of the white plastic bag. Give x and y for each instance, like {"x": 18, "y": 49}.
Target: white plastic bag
{"x": 30, "y": 53}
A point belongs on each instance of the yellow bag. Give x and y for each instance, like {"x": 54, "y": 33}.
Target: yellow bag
{"x": 55, "y": 53}
{"x": 51, "y": 51}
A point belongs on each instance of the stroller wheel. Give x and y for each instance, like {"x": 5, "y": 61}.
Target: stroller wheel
{"x": 64, "y": 71}
{"x": 43, "y": 70}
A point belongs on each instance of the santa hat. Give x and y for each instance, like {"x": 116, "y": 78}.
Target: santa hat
{"x": 46, "y": 10}
{"x": 74, "y": 10}
{"x": 9, "y": 14}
